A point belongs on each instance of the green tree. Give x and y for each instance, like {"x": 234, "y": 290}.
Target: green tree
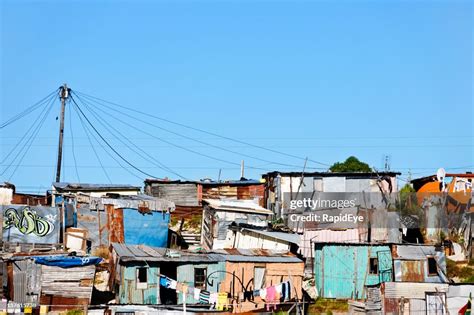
{"x": 351, "y": 164}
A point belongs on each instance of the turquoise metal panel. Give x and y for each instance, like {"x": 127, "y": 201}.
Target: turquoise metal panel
{"x": 129, "y": 294}
{"x": 185, "y": 274}
{"x": 342, "y": 271}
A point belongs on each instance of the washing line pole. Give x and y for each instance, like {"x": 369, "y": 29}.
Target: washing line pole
{"x": 63, "y": 95}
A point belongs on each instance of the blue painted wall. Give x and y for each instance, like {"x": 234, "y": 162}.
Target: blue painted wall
{"x": 186, "y": 275}
{"x": 148, "y": 229}
{"x": 342, "y": 271}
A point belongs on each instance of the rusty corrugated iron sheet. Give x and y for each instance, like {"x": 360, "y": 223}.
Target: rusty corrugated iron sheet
{"x": 115, "y": 224}
{"x": 413, "y": 290}
{"x": 412, "y": 271}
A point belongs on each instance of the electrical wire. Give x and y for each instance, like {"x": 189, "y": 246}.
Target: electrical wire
{"x": 181, "y": 147}
{"x": 196, "y": 140}
{"x": 73, "y": 148}
{"x": 108, "y": 144}
{"x": 28, "y": 131}
{"x": 27, "y": 144}
{"x": 96, "y": 99}
{"x": 92, "y": 146}
{"x": 87, "y": 130}
{"x": 148, "y": 157}
{"x": 28, "y": 110}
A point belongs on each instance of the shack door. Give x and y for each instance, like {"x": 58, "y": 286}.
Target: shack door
{"x": 435, "y": 303}
{"x": 385, "y": 265}
{"x": 168, "y": 296}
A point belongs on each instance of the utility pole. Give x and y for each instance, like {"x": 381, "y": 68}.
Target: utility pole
{"x": 63, "y": 95}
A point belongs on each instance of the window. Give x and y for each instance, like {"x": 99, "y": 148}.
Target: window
{"x": 432, "y": 266}
{"x": 142, "y": 278}
{"x": 200, "y": 275}
{"x": 259, "y": 277}
{"x": 373, "y": 266}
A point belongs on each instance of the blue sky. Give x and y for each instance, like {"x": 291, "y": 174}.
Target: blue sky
{"x": 317, "y": 79}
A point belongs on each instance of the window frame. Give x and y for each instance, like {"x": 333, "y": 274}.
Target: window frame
{"x": 373, "y": 262}
{"x": 138, "y": 279}
{"x": 428, "y": 259}
{"x": 200, "y": 284}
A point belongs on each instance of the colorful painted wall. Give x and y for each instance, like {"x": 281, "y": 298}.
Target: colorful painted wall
{"x": 342, "y": 271}
{"x": 30, "y": 224}
{"x": 131, "y": 292}
{"x": 148, "y": 229}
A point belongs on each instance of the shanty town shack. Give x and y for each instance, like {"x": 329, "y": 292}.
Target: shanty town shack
{"x": 220, "y": 214}
{"x": 419, "y": 263}
{"x": 137, "y": 219}
{"x": 136, "y": 271}
{"x": 343, "y": 270}
{"x": 282, "y": 187}
{"x": 58, "y": 280}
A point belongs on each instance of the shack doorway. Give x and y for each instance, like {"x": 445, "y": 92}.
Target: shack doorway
{"x": 168, "y": 296}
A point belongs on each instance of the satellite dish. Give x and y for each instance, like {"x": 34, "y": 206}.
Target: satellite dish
{"x": 441, "y": 174}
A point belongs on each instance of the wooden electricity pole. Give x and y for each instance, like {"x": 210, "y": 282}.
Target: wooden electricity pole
{"x": 63, "y": 94}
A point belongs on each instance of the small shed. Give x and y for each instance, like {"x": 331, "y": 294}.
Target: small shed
{"x": 247, "y": 238}
{"x": 218, "y": 215}
{"x": 253, "y": 269}
{"x": 51, "y": 280}
{"x": 343, "y": 271}
{"x": 418, "y": 263}
{"x": 136, "y": 269}
{"x": 414, "y": 298}
{"x": 133, "y": 220}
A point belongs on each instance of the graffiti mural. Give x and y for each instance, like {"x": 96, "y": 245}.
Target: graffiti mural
{"x": 26, "y": 224}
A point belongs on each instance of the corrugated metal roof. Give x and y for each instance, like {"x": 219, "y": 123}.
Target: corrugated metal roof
{"x": 237, "y": 206}
{"x": 330, "y": 174}
{"x": 92, "y": 187}
{"x": 129, "y": 253}
{"x": 414, "y": 252}
{"x": 133, "y": 202}
{"x": 238, "y": 182}
{"x": 288, "y": 237}
{"x": 412, "y": 290}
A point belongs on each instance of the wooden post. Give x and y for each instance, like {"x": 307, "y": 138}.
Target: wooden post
{"x": 100, "y": 228}
{"x": 184, "y": 302}
{"x": 64, "y": 93}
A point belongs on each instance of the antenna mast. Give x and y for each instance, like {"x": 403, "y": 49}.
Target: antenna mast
{"x": 63, "y": 95}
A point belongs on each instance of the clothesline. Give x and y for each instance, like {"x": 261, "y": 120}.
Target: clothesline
{"x": 272, "y": 295}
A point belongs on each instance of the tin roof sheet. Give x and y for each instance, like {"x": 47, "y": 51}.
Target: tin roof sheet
{"x": 237, "y": 206}
{"x": 60, "y": 186}
{"x": 288, "y": 237}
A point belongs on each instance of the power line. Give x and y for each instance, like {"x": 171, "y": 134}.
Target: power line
{"x": 28, "y": 110}
{"x": 28, "y": 131}
{"x": 200, "y": 130}
{"x": 149, "y": 157}
{"x": 105, "y": 141}
{"x": 87, "y": 130}
{"x": 72, "y": 147}
{"x": 92, "y": 146}
{"x": 27, "y": 144}
{"x": 197, "y": 140}
{"x": 179, "y": 146}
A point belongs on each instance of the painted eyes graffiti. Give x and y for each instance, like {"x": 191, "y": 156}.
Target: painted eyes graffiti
{"x": 27, "y": 222}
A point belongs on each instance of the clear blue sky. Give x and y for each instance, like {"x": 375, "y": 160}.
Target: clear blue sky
{"x": 323, "y": 79}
